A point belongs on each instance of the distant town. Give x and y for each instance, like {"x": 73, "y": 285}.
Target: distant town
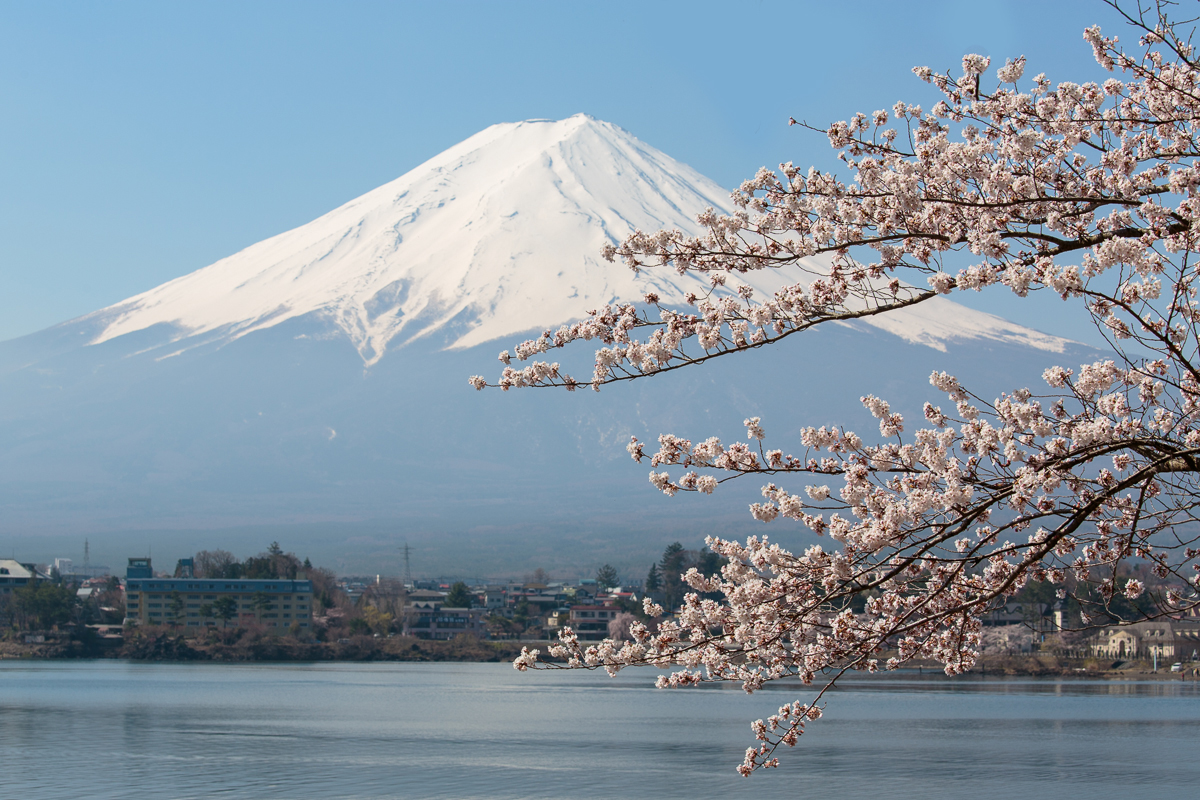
{"x": 276, "y": 605}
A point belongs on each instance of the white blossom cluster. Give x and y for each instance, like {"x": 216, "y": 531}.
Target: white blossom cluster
{"x": 1089, "y": 191}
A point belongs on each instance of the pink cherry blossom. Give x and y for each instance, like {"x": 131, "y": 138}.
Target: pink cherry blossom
{"x": 1088, "y": 192}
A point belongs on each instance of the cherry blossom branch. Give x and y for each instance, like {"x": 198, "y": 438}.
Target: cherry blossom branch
{"x": 1090, "y": 191}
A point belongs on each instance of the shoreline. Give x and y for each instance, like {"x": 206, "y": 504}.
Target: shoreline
{"x": 160, "y": 646}
{"x": 167, "y": 647}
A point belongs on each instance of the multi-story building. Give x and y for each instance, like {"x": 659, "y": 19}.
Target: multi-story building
{"x": 425, "y": 617}
{"x": 1163, "y": 639}
{"x": 14, "y": 575}
{"x": 590, "y": 623}
{"x": 203, "y": 602}
{"x": 537, "y": 600}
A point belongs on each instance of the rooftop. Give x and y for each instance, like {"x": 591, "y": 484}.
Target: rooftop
{"x": 218, "y": 585}
{"x": 15, "y": 569}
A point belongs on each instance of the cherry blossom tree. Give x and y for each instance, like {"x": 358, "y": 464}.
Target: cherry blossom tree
{"x": 618, "y": 626}
{"x": 1090, "y": 192}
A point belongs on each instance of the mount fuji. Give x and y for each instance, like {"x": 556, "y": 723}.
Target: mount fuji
{"x": 312, "y": 387}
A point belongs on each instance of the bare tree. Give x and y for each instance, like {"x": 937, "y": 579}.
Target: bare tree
{"x": 214, "y": 564}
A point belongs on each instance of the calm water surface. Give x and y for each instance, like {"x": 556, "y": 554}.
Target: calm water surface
{"x": 321, "y": 731}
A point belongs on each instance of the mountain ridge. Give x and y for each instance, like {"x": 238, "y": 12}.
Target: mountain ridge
{"x": 498, "y": 235}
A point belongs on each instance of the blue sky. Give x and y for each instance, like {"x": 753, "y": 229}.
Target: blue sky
{"x": 142, "y": 141}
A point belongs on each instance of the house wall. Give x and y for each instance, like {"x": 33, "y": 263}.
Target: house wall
{"x": 148, "y": 601}
{"x": 1175, "y": 639}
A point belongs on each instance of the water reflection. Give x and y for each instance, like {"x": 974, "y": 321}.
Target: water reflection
{"x": 110, "y": 729}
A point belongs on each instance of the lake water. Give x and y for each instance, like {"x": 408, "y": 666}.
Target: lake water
{"x": 106, "y": 729}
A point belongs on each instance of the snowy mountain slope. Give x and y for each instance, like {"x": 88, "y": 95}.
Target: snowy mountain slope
{"x": 498, "y": 235}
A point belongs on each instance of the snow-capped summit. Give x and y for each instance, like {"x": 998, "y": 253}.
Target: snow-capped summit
{"x": 498, "y": 235}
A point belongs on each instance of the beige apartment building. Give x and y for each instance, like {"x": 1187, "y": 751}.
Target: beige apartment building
{"x": 200, "y": 602}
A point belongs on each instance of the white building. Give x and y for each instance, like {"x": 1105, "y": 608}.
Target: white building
{"x": 1177, "y": 640}
{"x": 14, "y": 575}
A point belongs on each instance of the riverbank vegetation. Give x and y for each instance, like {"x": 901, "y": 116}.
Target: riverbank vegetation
{"x": 248, "y": 645}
